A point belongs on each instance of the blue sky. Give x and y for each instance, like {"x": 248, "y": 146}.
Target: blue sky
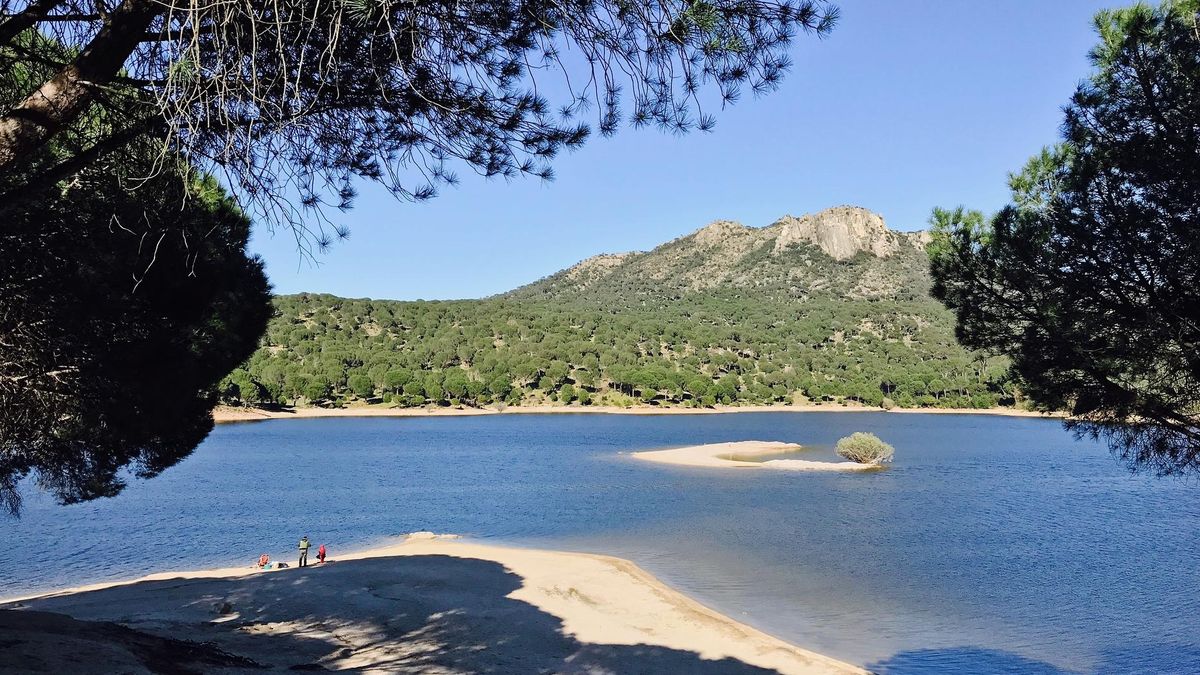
{"x": 906, "y": 106}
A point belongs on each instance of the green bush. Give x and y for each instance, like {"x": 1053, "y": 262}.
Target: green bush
{"x": 865, "y": 448}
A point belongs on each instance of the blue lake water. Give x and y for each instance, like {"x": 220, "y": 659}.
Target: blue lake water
{"x": 992, "y": 544}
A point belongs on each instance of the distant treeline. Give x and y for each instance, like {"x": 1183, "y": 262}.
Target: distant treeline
{"x": 701, "y": 349}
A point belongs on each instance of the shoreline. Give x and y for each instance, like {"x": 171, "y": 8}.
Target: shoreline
{"x": 553, "y": 607}
{"x": 227, "y": 414}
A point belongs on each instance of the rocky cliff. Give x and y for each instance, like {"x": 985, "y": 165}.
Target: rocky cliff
{"x": 842, "y": 232}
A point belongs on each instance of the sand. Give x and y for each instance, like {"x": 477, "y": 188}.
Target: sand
{"x": 233, "y": 414}
{"x": 728, "y": 455}
{"x": 426, "y": 605}
{"x": 225, "y": 414}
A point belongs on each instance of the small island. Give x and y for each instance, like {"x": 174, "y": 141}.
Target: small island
{"x": 736, "y": 454}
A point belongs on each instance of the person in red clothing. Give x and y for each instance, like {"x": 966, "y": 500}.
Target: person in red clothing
{"x": 321, "y": 553}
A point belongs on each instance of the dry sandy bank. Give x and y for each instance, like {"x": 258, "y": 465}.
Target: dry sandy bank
{"x": 727, "y": 455}
{"x": 425, "y": 605}
{"x": 1002, "y": 412}
{"x": 230, "y": 414}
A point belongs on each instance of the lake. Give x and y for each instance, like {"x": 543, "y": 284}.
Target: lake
{"x": 992, "y": 544}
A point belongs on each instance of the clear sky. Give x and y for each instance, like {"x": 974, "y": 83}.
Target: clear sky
{"x": 906, "y": 106}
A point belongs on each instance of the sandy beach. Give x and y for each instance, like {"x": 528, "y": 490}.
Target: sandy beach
{"x": 428, "y": 605}
{"x": 730, "y": 456}
{"x": 224, "y": 414}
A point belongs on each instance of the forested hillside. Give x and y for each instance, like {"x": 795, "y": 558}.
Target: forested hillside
{"x": 825, "y": 307}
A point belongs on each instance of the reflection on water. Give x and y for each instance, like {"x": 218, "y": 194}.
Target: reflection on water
{"x": 990, "y": 545}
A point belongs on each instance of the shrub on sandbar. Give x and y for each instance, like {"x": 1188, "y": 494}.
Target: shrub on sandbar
{"x": 865, "y": 448}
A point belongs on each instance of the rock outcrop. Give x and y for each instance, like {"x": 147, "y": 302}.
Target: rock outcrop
{"x": 597, "y": 265}
{"x": 842, "y": 232}
{"x": 719, "y": 232}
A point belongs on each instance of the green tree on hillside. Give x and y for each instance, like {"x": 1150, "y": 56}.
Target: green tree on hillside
{"x": 361, "y": 385}
{"x": 1090, "y": 279}
{"x": 242, "y": 387}
{"x": 396, "y": 378}
{"x": 317, "y": 388}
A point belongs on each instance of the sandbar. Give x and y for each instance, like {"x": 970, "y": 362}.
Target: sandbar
{"x": 729, "y": 455}
{"x": 427, "y": 604}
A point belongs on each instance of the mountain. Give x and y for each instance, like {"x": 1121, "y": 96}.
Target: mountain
{"x": 844, "y": 252}
{"x": 831, "y": 306}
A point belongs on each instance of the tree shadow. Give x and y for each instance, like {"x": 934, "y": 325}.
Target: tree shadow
{"x": 396, "y": 614}
{"x": 963, "y": 660}
{"x": 1151, "y": 658}
{"x": 1144, "y": 659}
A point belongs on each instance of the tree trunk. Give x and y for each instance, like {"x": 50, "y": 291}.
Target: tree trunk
{"x": 59, "y": 101}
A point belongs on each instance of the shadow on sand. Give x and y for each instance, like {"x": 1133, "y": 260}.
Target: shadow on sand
{"x": 398, "y": 614}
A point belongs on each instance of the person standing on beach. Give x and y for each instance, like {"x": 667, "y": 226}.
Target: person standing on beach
{"x": 321, "y": 553}
{"x": 304, "y": 551}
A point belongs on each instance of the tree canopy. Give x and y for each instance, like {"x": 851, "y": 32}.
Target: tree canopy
{"x": 288, "y": 101}
{"x": 1090, "y": 279}
{"x": 122, "y": 305}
